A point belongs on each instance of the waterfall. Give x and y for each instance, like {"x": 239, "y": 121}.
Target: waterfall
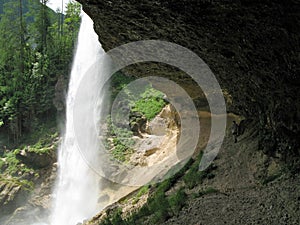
{"x": 77, "y": 186}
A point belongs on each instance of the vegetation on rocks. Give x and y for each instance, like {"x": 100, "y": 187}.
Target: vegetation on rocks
{"x": 36, "y": 50}
{"x": 150, "y": 103}
{"x": 166, "y": 199}
{"x": 19, "y": 165}
{"x": 143, "y": 107}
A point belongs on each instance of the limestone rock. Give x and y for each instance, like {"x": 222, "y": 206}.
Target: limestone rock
{"x": 159, "y": 140}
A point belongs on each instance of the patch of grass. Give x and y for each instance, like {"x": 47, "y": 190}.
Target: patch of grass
{"x": 141, "y": 192}
{"x": 121, "y": 152}
{"x": 158, "y": 207}
{"x": 42, "y": 133}
{"x": 45, "y": 144}
{"x": 193, "y": 176}
{"x": 13, "y": 164}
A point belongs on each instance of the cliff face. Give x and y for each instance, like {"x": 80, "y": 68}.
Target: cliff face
{"x": 251, "y": 46}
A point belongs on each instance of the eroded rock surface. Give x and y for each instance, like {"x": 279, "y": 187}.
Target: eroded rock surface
{"x": 251, "y": 46}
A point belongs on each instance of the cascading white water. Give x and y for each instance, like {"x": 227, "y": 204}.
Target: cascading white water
{"x": 76, "y": 192}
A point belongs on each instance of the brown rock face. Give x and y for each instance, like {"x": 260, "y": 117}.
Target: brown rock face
{"x": 251, "y": 46}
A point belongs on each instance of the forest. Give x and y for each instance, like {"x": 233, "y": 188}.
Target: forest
{"x": 36, "y": 49}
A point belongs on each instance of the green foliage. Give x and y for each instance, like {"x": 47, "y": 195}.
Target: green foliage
{"x": 146, "y": 100}
{"x": 14, "y": 171}
{"x": 150, "y": 103}
{"x": 119, "y": 141}
{"x": 159, "y": 206}
{"x": 12, "y": 163}
{"x": 2, "y": 163}
{"x": 25, "y": 184}
{"x": 114, "y": 219}
{"x": 33, "y": 54}
{"x": 177, "y": 201}
{"x": 142, "y": 191}
{"x": 193, "y": 176}
{"x": 120, "y": 151}
{"x": 165, "y": 201}
{"x": 45, "y": 144}
{"x": 118, "y": 82}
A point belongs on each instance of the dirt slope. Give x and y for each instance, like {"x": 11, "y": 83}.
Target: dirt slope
{"x": 248, "y": 188}
{"x": 246, "y": 193}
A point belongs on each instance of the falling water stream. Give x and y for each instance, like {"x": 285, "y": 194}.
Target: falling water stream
{"x": 77, "y": 186}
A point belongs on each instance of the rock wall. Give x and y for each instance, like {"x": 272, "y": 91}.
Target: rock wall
{"x": 251, "y": 46}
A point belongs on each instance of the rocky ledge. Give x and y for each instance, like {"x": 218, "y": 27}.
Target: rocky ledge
{"x": 251, "y": 46}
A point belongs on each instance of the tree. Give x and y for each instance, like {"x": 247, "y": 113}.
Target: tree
{"x": 33, "y": 54}
{"x": 12, "y": 64}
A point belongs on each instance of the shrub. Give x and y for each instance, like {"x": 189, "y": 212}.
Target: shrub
{"x": 114, "y": 219}
{"x": 150, "y": 103}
